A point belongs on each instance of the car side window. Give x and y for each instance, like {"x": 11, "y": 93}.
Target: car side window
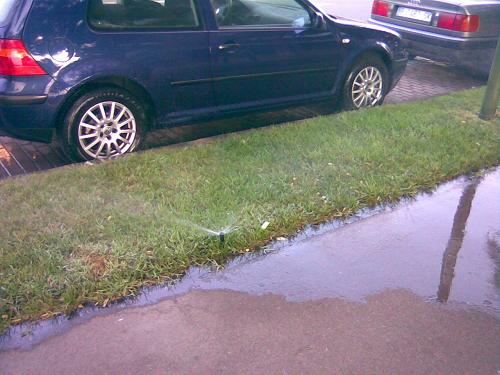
{"x": 261, "y": 13}
{"x": 143, "y": 14}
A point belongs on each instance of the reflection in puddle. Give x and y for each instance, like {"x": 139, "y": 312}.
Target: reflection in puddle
{"x": 445, "y": 242}
{"x": 456, "y": 241}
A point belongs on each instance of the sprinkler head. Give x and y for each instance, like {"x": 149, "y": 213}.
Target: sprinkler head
{"x": 222, "y": 238}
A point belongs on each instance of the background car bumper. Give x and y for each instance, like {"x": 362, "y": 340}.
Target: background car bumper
{"x": 473, "y": 53}
{"x": 478, "y": 61}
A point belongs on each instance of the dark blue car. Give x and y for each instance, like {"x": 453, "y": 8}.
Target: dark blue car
{"x": 99, "y": 74}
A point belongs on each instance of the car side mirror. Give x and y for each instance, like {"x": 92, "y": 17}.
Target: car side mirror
{"x": 319, "y": 22}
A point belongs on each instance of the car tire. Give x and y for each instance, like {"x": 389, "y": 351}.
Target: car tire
{"x": 103, "y": 124}
{"x": 366, "y": 84}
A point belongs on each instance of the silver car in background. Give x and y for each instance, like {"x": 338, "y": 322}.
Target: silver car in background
{"x": 461, "y": 32}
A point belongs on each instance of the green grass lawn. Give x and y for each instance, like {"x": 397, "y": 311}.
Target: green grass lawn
{"x": 93, "y": 234}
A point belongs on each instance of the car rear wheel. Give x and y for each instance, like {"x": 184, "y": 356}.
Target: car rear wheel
{"x": 366, "y": 84}
{"x": 103, "y": 124}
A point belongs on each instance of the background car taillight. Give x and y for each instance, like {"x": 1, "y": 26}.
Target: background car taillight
{"x": 458, "y": 22}
{"x": 380, "y": 8}
{"x": 15, "y": 60}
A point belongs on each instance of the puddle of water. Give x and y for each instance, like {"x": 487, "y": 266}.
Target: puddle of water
{"x": 443, "y": 247}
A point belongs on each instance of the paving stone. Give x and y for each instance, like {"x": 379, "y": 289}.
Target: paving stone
{"x": 425, "y": 78}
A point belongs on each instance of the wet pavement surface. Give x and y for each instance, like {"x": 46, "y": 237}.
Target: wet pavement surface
{"x": 409, "y": 289}
{"x": 228, "y": 332}
{"x": 422, "y": 79}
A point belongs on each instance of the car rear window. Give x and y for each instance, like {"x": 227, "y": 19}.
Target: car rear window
{"x": 5, "y": 10}
{"x": 143, "y": 14}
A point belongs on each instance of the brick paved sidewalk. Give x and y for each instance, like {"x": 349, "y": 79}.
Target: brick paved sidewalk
{"x": 422, "y": 79}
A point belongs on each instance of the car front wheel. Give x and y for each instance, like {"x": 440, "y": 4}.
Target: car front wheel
{"x": 103, "y": 124}
{"x": 366, "y": 84}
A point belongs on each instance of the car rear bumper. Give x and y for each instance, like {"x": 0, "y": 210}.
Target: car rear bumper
{"x": 26, "y": 117}
{"x": 473, "y": 53}
{"x": 22, "y": 99}
{"x": 27, "y": 110}
{"x": 35, "y": 134}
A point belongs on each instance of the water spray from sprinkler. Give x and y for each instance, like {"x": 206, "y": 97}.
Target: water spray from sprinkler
{"x": 221, "y": 234}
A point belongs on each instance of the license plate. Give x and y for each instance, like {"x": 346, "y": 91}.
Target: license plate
{"x": 414, "y": 14}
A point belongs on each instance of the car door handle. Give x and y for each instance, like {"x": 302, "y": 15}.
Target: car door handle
{"x": 229, "y": 47}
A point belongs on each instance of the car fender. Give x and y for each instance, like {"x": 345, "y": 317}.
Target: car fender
{"x": 65, "y": 94}
{"x": 355, "y": 54}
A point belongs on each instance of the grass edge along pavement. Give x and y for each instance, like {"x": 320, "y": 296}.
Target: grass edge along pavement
{"x": 79, "y": 234}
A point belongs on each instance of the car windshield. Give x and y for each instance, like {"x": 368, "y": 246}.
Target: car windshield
{"x": 5, "y": 8}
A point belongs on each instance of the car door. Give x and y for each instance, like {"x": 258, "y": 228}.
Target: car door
{"x": 269, "y": 51}
{"x": 162, "y": 45}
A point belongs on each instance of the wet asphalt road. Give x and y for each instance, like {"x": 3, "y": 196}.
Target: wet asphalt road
{"x": 413, "y": 289}
{"x": 227, "y": 332}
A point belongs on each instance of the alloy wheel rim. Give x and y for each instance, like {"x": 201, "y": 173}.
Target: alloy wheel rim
{"x": 367, "y": 87}
{"x": 106, "y": 130}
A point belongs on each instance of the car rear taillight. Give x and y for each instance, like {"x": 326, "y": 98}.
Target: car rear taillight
{"x": 15, "y": 60}
{"x": 458, "y": 22}
{"x": 380, "y": 8}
